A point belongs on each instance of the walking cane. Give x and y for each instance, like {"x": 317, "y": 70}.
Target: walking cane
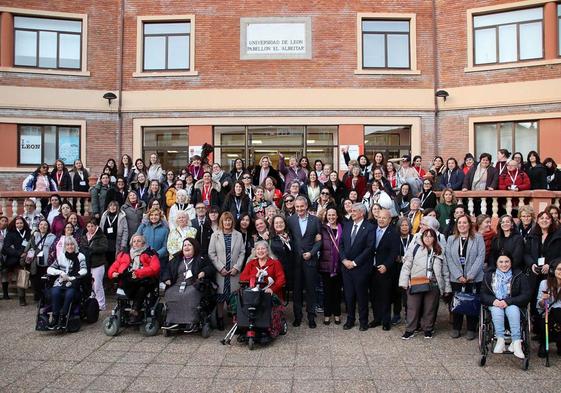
{"x": 546, "y": 304}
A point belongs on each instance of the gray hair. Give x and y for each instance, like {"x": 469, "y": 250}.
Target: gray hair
{"x": 137, "y": 235}
{"x": 301, "y": 199}
{"x": 431, "y": 222}
{"x": 182, "y": 192}
{"x": 179, "y": 214}
{"x": 415, "y": 200}
{"x": 70, "y": 240}
{"x": 264, "y": 243}
{"x": 401, "y": 220}
{"x": 361, "y": 207}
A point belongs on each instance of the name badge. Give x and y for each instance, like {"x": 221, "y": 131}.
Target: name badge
{"x": 462, "y": 261}
{"x": 513, "y": 187}
{"x": 447, "y": 221}
{"x": 24, "y": 243}
{"x": 182, "y": 287}
{"x": 541, "y": 261}
{"x": 110, "y": 230}
{"x": 83, "y": 183}
{"x": 40, "y": 254}
{"x": 189, "y": 274}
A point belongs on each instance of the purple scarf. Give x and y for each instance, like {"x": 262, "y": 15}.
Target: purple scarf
{"x": 335, "y": 241}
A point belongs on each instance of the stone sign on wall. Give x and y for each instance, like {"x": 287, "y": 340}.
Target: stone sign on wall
{"x": 275, "y": 38}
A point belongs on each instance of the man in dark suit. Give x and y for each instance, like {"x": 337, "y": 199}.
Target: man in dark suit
{"x": 386, "y": 251}
{"x": 202, "y": 224}
{"x": 356, "y": 252}
{"x": 306, "y": 232}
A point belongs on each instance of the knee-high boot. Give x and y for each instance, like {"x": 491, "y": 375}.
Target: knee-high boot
{"x": 5, "y": 290}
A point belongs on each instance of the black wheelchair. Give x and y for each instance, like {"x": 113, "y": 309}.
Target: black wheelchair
{"x": 205, "y": 312}
{"x": 487, "y": 338}
{"x": 84, "y": 306}
{"x": 148, "y": 319}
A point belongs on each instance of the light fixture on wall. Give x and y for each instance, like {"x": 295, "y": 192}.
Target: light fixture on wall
{"x": 442, "y": 93}
{"x": 109, "y": 96}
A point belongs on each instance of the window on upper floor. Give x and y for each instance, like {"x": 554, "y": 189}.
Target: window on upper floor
{"x": 516, "y": 136}
{"x": 386, "y": 44}
{"x": 47, "y": 43}
{"x": 510, "y": 36}
{"x": 166, "y": 46}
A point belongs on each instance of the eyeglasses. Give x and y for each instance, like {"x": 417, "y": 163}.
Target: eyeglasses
{"x": 289, "y": 200}
{"x": 246, "y": 177}
{"x": 324, "y": 193}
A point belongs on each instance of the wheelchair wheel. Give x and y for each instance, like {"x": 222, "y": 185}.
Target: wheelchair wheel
{"x": 284, "y": 328}
{"x": 482, "y": 360}
{"x": 74, "y": 324}
{"x": 251, "y": 343}
{"x": 91, "y": 310}
{"x": 166, "y": 333}
{"x": 111, "y": 325}
{"x": 151, "y": 327}
{"x": 525, "y": 364}
{"x": 205, "y": 331}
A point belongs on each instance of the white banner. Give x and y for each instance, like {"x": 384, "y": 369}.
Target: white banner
{"x": 30, "y": 149}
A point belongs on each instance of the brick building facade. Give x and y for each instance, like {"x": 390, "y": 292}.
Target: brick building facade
{"x": 197, "y": 82}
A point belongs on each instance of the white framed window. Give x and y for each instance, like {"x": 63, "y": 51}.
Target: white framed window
{"x": 515, "y": 136}
{"x": 385, "y": 44}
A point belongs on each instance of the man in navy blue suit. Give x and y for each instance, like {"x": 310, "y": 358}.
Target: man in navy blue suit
{"x": 386, "y": 251}
{"x": 356, "y": 252}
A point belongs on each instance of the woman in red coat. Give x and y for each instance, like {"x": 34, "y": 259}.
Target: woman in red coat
{"x": 272, "y": 267}
{"x": 514, "y": 179}
{"x": 356, "y": 182}
{"x": 138, "y": 271}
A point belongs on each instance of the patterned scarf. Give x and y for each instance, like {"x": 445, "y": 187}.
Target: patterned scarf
{"x": 502, "y": 284}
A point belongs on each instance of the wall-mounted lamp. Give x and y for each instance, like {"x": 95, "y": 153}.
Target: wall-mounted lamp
{"x": 109, "y": 96}
{"x": 442, "y": 93}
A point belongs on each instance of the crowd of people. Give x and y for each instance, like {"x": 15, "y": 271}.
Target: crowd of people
{"x": 378, "y": 238}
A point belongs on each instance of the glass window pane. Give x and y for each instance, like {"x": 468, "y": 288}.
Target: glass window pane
{"x": 526, "y": 137}
{"x": 531, "y": 46}
{"x": 154, "y": 53}
{"x": 166, "y": 136}
{"x": 170, "y": 159}
{"x": 25, "y": 48}
{"x": 178, "y": 52}
{"x": 485, "y": 46}
{"x": 398, "y": 50}
{"x": 508, "y": 17}
{"x": 30, "y": 145}
{"x": 275, "y": 136}
{"x": 255, "y": 154}
{"x": 326, "y": 154}
{"x": 505, "y": 139}
{"x": 47, "y": 49}
{"x": 485, "y": 139}
{"x": 167, "y": 28}
{"x": 69, "y": 51}
{"x": 385, "y": 26}
{"x": 49, "y": 149}
{"x": 392, "y": 140}
{"x": 68, "y": 144}
{"x": 26, "y": 22}
{"x": 227, "y": 155}
{"x": 229, "y": 135}
{"x": 508, "y": 43}
{"x": 321, "y": 135}
{"x": 373, "y": 51}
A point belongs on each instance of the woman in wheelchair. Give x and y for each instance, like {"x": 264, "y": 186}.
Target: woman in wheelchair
{"x": 506, "y": 292}
{"x": 67, "y": 270}
{"x": 138, "y": 272}
{"x": 267, "y": 268}
{"x": 186, "y": 269}
{"x": 550, "y": 291}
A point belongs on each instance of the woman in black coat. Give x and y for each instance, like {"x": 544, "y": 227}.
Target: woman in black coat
{"x": 507, "y": 240}
{"x": 536, "y": 171}
{"x": 17, "y": 238}
{"x": 199, "y": 264}
{"x": 282, "y": 247}
{"x": 237, "y": 201}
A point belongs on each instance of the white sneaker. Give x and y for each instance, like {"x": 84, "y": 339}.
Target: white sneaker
{"x": 518, "y": 352}
{"x": 511, "y": 347}
{"x": 500, "y": 345}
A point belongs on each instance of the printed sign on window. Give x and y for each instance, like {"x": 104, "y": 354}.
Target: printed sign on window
{"x": 30, "y": 148}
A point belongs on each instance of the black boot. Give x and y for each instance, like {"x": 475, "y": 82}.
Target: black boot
{"x": 21, "y": 296}
{"x": 5, "y": 291}
{"x": 541, "y": 350}
{"x": 220, "y": 324}
{"x": 54, "y": 321}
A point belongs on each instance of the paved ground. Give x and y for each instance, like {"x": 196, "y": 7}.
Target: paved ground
{"x": 327, "y": 359}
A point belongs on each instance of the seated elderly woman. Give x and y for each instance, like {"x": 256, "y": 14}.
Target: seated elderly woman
{"x": 186, "y": 270}
{"x": 505, "y": 291}
{"x": 550, "y": 292}
{"x": 67, "y": 269}
{"x": 274, "y": 270}
{"x": 178, "y": 233}
{"x": 138, "y": 271}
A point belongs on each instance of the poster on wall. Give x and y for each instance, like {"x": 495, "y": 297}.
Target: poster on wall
{"x": 68, "y": 146}
{"x": 353, "y": 153}
{"x": 30, "y": 148}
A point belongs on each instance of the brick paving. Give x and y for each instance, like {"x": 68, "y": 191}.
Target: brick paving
{"x": 326, "y": 359}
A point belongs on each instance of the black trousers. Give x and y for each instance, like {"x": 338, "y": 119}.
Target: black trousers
{"x": 36, "y": 283}
{"x": 306, "y": 278}
{"x": 356, "y": 283}
{"x": 137, "y": 290}
{"x": 458, "y": 319}
{"x": 380, "y": 295}
{"x": 331, "y": 294}
{"x": 398, "y": 296}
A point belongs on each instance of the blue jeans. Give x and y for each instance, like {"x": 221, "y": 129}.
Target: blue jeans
{"x": 512, "y": 312}
{"x": 61, "y": 298}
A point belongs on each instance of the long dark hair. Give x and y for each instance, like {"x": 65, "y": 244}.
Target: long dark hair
{"x": 12, "y": 224}
{"x": 435, "y": 245}
{"x": 552, "y": 285}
